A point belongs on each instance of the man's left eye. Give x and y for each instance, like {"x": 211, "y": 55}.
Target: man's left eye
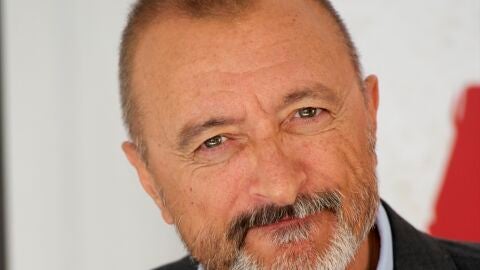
{"x": 307, "y": 112}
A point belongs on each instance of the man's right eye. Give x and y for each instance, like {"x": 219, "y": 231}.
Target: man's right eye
{"x": 214, "y": 141}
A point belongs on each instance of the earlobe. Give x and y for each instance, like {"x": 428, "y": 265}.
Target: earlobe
{"x": 146, "y": 179}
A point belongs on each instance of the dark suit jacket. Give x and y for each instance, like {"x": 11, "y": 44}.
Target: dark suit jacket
{"x": 412, "y": 250}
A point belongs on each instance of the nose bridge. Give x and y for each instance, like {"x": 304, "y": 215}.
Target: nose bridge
{"x": 278, "y": 179}
{"x": 270, "y": 148}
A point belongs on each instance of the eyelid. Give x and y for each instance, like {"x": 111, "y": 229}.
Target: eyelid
{"x": 318, "y": 111}
{"x": 219, "y": 154}
{"x": 222, "y": 137}
{"x": 292, "y": 123}
{"x": 203, "y": 148}
{"x": 293, "y": 115}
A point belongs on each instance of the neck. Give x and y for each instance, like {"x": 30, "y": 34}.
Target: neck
{"x": 368, "y": 253}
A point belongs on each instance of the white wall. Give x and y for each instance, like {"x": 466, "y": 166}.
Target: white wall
{"x": 74, "y": 202}
{"x": 425, "y": 53}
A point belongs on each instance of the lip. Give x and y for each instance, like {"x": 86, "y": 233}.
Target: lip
{"x": 284, "y": 223}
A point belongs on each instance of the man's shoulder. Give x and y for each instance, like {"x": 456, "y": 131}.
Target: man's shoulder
{"x": 465, "y": 255}
{"x": 413, "y": 249}
{"x": 186, "y": 263}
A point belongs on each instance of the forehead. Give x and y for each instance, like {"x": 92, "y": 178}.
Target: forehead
{"x": 186, "y": 66}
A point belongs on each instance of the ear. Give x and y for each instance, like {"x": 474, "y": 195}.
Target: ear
{"x": 146, "y": 179}
{"x": 372, "y": 98}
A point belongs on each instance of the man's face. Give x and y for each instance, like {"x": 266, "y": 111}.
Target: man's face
{"x": 250, "y": 121}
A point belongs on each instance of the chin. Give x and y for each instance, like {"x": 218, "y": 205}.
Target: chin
{"x": 305, "y": 244}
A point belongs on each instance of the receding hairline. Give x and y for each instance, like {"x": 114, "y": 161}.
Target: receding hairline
{"x": 150, "y": 12}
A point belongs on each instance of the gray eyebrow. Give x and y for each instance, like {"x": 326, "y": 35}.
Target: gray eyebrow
{"x": 192, "y": 130}
{"x": 316, "y": 91}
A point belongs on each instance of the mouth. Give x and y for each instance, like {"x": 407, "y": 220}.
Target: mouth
{"x": 287, "y": 232}
{"x": 286, "y": 223}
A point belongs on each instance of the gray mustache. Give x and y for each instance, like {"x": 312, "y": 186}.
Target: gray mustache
{"x": 303, "y": 206}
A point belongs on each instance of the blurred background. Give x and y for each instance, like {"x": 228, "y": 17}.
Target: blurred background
{"x": 71, "y": 200}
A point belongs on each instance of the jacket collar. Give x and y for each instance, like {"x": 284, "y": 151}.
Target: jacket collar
{"x": 413, "y": 249}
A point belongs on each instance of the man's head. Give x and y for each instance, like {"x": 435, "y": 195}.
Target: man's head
{"x": 260, "y": 135}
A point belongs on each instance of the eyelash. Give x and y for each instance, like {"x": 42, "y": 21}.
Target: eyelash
{"x": 318, "y": 111}
{"x": 225, "y": 139}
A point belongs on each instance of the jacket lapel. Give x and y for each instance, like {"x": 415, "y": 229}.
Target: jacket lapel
{"x": 413, "y": 249}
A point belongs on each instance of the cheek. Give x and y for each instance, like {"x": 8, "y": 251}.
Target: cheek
{"x": 216, "y": 192}
{"x": 321, "y": 159}
{"x": 330, "y": 159}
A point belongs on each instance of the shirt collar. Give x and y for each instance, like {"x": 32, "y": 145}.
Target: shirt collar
{"x": 385, "y": 258}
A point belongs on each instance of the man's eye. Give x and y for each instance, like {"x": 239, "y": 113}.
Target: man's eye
{"x": 307, "y": 112}
{"x": 214, "y": 141}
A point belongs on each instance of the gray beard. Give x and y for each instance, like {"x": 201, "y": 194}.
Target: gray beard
{"x": 341, "y": 249}
{"x": 338, "y": 253}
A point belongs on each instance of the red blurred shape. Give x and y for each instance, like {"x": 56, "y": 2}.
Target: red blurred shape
{"x": 458, "y": 204}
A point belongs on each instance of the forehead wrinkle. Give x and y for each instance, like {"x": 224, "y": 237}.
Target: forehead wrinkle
{"x": 226, "y": 74}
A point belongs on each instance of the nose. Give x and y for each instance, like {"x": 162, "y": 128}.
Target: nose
{"x": 278, "y": 179}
